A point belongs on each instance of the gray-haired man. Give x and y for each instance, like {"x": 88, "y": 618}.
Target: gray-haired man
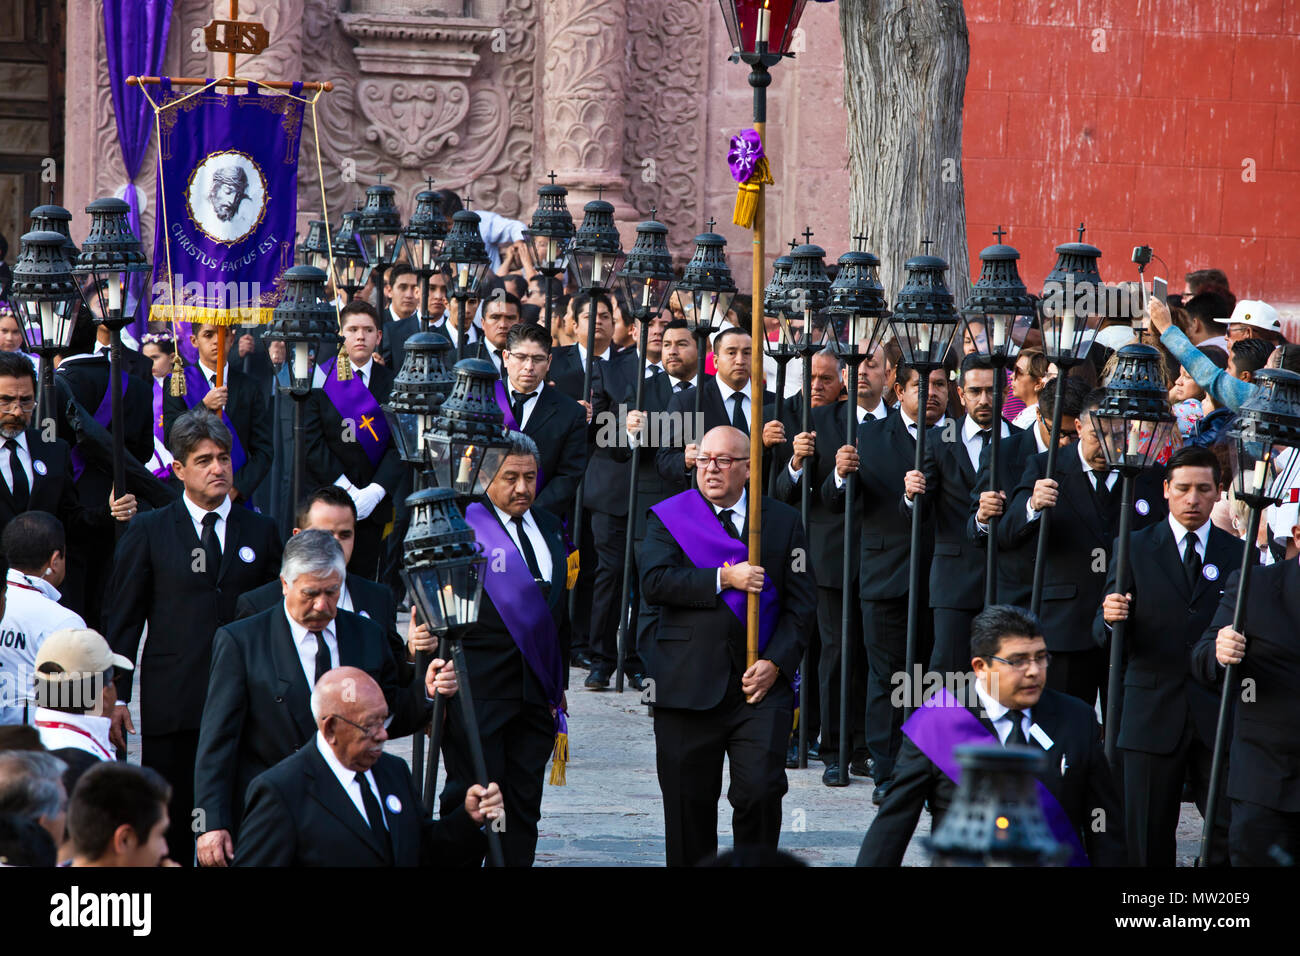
{"x": 264, "y": 667}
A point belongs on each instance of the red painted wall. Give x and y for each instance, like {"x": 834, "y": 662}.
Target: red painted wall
{"x": 1138, "y": 117}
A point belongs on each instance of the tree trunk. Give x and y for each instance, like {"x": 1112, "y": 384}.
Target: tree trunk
{"x": 905, "y": 67}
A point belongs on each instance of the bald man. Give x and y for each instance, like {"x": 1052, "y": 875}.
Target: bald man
{"x": 708, "y": 701}
{"x": 341, "y": 801}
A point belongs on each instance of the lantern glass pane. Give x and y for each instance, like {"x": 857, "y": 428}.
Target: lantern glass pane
{"x": 427, "y": 589}
{"x": 406, "y": 429}
{"x": 923, "y": 341}
{"x": 1260, "y": 468}
{"x": 1069, "y": 336}
{"x": 1135, "y": 443}
{"x": 596, "y": 270}
{"x": 995, "y": 334}
{"x": 302, "y": 367}
{"x": 709, "y": 309}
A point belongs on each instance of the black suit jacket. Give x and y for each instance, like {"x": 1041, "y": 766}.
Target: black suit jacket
{"x": 299, "y": 815}
{"x": 609, "y": 457}
{"x": 558, "y": 425}
{"x": 1264, "y": 761}
{"x": 85, "y": 379}
{"x": 53, "y": 492}
{"x": 1166, "y": 619}
{"x": 395, "y": 333}
{"x": 497, "y": 668}
{"x": 1085, "y": 787}
{"x": 699, "y": 649}
{"x": 246, "y": 407}
{"x": 1079, "y": 542}
{"x": 652, "y": 487}
{"x": 153, "y": 582}
{"x": 1015, "y": 564}
{"x": 680, "y": 418}
{"x": 886, "y": 452}
{"x": 258, "y": 703}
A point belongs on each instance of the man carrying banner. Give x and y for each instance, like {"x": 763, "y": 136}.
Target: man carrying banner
{"x": 707, "y": 702}
{"x": 1009, "y": 703}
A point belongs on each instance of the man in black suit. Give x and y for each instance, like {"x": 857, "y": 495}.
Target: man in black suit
{"x": 885, "y": 452}
{"x": 1166, "y": 732}
{"x": 402, "y": 317}
{"x": 1016, "y": 565}
{"x": 953, "y": 455}
{"x": 346, "y": 435}
{"x": 1011, "y": 703}
{"x": 1085, "y": 502}
{"x": 826, "y": 539}
{"x": 569, "y": 362}
{"x": 1264, "y": 754}
{"x": 263, "y": 667}
{"x": 340, "y": 801}
{"x": 556, "y": 423}
{"x": 181, "y": 569}
{"x": 239, "y": 401}
{"x": 516, "y": 656}
{"x": 708, "y": 703}
{"x": 500, "y": 315}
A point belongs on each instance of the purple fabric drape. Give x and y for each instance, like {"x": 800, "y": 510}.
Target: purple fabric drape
{"x": 135, "y": 38}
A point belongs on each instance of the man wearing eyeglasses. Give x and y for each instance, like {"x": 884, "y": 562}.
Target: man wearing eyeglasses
{"x": 709, "y": 702}
{"x": 263, "y": 669}
{"x": 1008, "y": 703}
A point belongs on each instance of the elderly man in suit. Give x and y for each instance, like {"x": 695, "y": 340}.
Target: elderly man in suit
{"x": 708, "y": 703}
{"x": 339, "y": 800}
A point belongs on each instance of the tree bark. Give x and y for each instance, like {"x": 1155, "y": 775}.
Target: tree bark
{"x": 905, "y": 65}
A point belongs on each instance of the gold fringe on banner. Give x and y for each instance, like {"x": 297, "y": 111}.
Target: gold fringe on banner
{"x": 161, "y": 312}
{"x": 747, "y": 194}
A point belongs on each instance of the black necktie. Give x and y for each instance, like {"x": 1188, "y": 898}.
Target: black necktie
{"x": 517, "y": 406}
{"x": 361, "y": 376}
{"x": 738, "y": 412}
{"x": 1017, "y": 735}
{"x": 21, "y": 490}
{"x": 374, "y": 813}
{"x": 728, "y": 525}
{"x": 1105, "y": 498}
{"x": 323, "y": 662}
{"x": 211, "y": 543}
{"x": 526, "y": 546}
{"x": 1191, "y": 560}
{"x": 986, "y": 438}
{"x": 682, "y": 386}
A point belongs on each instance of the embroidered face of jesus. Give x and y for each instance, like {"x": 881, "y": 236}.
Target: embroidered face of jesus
{"x": 229, "y": 191}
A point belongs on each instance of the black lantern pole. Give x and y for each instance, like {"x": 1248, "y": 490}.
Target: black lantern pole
{"x": 707, "y": 280}
{"x": 647, "y": 282}
{"x": 1070, "y": 317}
{"x": 997, "y": 318}
{"x": 423, "y": 237}
{"x": 110, "y": 256}
{"x": 464, "y": 261}
{"x": 547, "y": 237}
{"x": 1266, "y": 449}
{"x": 1135, "y": 424}
{"x": 45, "y": 300}
{"x": 777, "y": 304}
{"x": 351, "y": 270}
{"x": 924, "y": 324}
{"x": 858, "y": 299}
{"x": 379, "y": 230}
{"x": 807, "y": 289}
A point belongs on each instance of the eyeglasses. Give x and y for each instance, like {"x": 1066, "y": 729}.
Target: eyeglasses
{"x": 1065, "y": 433}
{"x": 1021, "y": 662}
{"x": 526, "y": 359}
{"x": 723, "y": 462}
{"x": 370, "y": 730}
{"x": 25, "y": 403}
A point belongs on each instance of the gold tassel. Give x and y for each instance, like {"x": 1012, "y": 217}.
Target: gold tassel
{"x": 178, "y": 375}
{"x": 343, "y": 365}
{"x": 747, "y": 194}
{"x": 560, "y": 757}
{"x": 572, "y": 577}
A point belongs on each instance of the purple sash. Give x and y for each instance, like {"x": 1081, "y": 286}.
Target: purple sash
{"x": 503, "y": 401}
{"x": 162, "y": 471}
{"x": 196, "y": 387}
{"x": 699, "y": 533}
{"x": 103, "y": 415}
{"x": 942, "y": 724}
{"x": 519, "y": 601}
{"x": 354, "y": 401}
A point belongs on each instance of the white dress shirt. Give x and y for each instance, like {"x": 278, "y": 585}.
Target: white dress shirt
{"x": 24, "y": 458}
{"x": 495, "y": 356}
{"x": 726, "y": 391}
{"x": 358, "y": 371}
{"x": 529, "y": 403}
{"x": 540, "y": 547}
{"x": 970, "y": 437}
{"x": 306, "y": 645}
{"x": 197, "y": 514}
{"x": 1028, "y": 416}
{"x": 582, "y": 354}
{"x": 1001, "y": 717}
{"x": 348, "y": 780}
{"x": 680, "y": 384}
{"x": 1111, "y": 478}
{"x": 880, "y": 411}
{"x": 210, "y": 376}
{"x": 738, "y": 512}
{"x": 1180, "y": 538}
{"x": 650, "y": 368}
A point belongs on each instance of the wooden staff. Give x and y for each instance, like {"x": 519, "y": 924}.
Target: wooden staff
{"x": 756, "y": 409}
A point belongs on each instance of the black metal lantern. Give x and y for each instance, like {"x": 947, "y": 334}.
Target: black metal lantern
{"x": 44, "y": 293}
{"x": 596, "y": 251}
{"x": 419, "y": 388}
{"x": 110, "y": 256}
{"x": 647, "y": 275}
{"x": 807, "y": 292}
{"x": 464, "y": 257}
{"x": 1073, "y": 304}
{"x": 1266, "y": 439}
{"x": 379, "y": 228}
{"x": 768, "y": 22}
{"x": 924, "y": 319}
{"x": 777, "y": 305}
{"x": 443, "y": 563}
{"x": 305, "y": 322}
{"x": 857, "y": 303}
{"x": 315, "y": 248}
{"x": 996, "y": 818}
{"x": 1000, "y": 311}
{"x": 425, "y": 233}
{"x": 707, "y": 281}
{"x": 468, "y": 441}
{"x": 351, "y": 269}
{"x": 52, "y": 218}
{"x": 548, "y": 235}
{"x": 1134, "y": 422}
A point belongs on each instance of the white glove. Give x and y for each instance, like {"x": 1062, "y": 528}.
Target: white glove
{"x": 367, "y": 499}
{"x": 342, "y": 482}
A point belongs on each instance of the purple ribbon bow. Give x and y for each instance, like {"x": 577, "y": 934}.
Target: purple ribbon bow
{"x": 746, "y": 150}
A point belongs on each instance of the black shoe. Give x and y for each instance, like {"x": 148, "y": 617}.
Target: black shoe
{"x": 598, "y": 679}
{"x": 880, "y": 792}
{"x": 831, "y": 775}
{"x": 635, "y": 681}
{"x": 814, "y": 751}
{"x": 579, "y": 658}
{"x": 792, "y": 756}
{"x": 862, "y": 767}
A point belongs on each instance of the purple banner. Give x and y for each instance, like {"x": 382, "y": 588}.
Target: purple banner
{"x": 196, "y": 387}
{"x": 519, "y": 601}
{"x": 355, "y": 403}
{"x": 696, "y": 529}
{"x": 503, "y": 402}
{"x": 103, "y": 415}
{"x": 942, "y": 724}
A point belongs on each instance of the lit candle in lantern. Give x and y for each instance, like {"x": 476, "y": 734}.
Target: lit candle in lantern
{"x": 645, "y": 295}
{"x": 1134, "y": 439}
{"x": 923, "y": 341}
{"x": 1261, "y": 470}
{"x": 999, "y": 332}
{"x": 1067, "y": 333}
{"x": 466, "y": 462}
{"x": 764, "y": 23}
{"x": 463, "y": 275}
{"x": 301, "y": 360}
{"x": 114, "y": 295}
{"x": 47, "y": 321}
{"x": 597, "y": 267}
{"x": 552, "y": 250}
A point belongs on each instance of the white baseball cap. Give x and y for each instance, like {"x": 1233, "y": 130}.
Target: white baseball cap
{"x": 73, "y": 653}
{"x": 1257, "y": 314}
